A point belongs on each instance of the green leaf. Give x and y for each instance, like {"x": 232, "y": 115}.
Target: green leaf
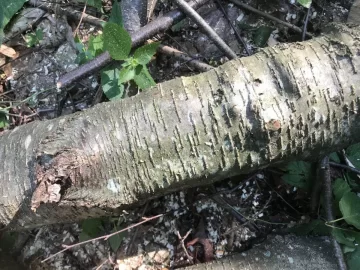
{"x": 8, "y": 10}
{"x": 115, "y": 240}
{"x": 353, "y": 259}
{"x": 353, "y": 153}
{"x": 262, "y": 35}
{"x": 3, "y": 120}
{"x": 111, "y": 85}
{"x": 91, "y": 227}
{"x": 32, "y": 39}
{"x": 350, "y": 208}
{"x": 298, "y": 175}
{"x": 340, "y": 237}
{"x": 94, "y": 3}
{"x": 305, "y": 3}
{"x": 144, "y": 54}
{"x": 116, "y": 14}
{"x": 96, "y": 45}
{"x": 117, "y": 41}
{"x": 127, "y": 73}
{"x": 340, "y": 187}
{"x": 83, "y": 236}
{"x": 143, "y": 78}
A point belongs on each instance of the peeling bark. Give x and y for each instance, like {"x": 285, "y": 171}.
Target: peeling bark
{"x": 294, "y": 101}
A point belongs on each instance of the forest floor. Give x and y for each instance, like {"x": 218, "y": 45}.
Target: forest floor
{"x": 196, "y": 225}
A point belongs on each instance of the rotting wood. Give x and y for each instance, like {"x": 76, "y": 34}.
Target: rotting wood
{"x": 293, "y": 101}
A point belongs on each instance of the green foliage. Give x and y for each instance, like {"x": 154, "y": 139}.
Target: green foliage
{"x": 143, "y": 78}
{"x": 144, "y": 54}
{"x": 350, "y": 208}
{"x": 340, "y": 187}
{"x": 93, "y": 3}
{"x": 298, "y": 174}
{"x": 91, "y": 228}
{"x": 111, "y": 84}
{"x": 341, "y": 237}
{"x": 34, "y": 38}
{"x": 96, "y": 45}
{"x": 7, "y": 11}
{"x": 117, "y": 41}
{"x": 353, "y": 259}
{"x": 262, "y": 35}
{"x": 3, "y": 119}
{"x": 115, "y": 240}
{"x": 305, "y": 3}
{"x": 116, "y": 14}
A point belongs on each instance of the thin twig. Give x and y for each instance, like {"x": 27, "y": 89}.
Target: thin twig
{"x": 346, "y": 167}
{"x": 182, "y": 239}
{"x": 237, "y": 34}
{"x": 201, "y": 66}
{"x": 306, "y": 23}
{"x": 104, "y": 237}
{"x": 184, "y": 6}
{"x": 161, "y": 24}
{"x": 325, "y": 169}
{"x": 268, "y": 16}
{"x": 70, "y": 12}
{"x": 80, "y": 21}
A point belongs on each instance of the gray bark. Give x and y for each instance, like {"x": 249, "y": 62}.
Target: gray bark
{"x": 134, "y": 14}
{"x": 279, "y": 252}
{"x": 294, "y": 101}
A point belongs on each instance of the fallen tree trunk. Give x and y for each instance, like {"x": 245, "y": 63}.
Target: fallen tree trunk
{"x": 287, "y": 252}
{"x": 294, "y": 101}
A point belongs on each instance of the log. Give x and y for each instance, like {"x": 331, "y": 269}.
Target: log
{"x": 291, "y": 102}
{"x": 287, "y": 252}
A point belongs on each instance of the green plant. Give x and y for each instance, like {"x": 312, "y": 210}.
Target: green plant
{"x": 346, "y": 205}
{"x": 7, "y": 11}
{"x": 305, "y": 3}
{"x": 117, "y": 41}
{"x": 33, "y": 38}
{"x": 93, "y": 227}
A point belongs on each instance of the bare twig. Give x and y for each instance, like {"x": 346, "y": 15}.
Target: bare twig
{"x": 306, "y": 23}
{"x": 104, "y": 237}
{"x": 182, "y": 240}
{"x": 325, "y": 169}
{"x": 268, "y": 16}
{"x": 80, "y": 21}
{"x": 237, "y": 34}
{"x": 70, "y": 12}
{"x": 185, "y": 57}
{"x": 346, "y": 167}
{"x": 184, "y": 6}
{"x": 144, "y": 33}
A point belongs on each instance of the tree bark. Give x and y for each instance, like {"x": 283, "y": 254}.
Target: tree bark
{"x": 293, "y": 101}
{"x": 287, "y": 252}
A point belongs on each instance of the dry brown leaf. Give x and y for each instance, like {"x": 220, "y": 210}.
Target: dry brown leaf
{"x": 8, "y": 51}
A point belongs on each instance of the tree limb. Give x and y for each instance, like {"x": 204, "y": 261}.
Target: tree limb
{"x": 293, "y": 101}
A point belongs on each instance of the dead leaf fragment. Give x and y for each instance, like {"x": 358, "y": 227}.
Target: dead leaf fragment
{"x": 8, "y": 51}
